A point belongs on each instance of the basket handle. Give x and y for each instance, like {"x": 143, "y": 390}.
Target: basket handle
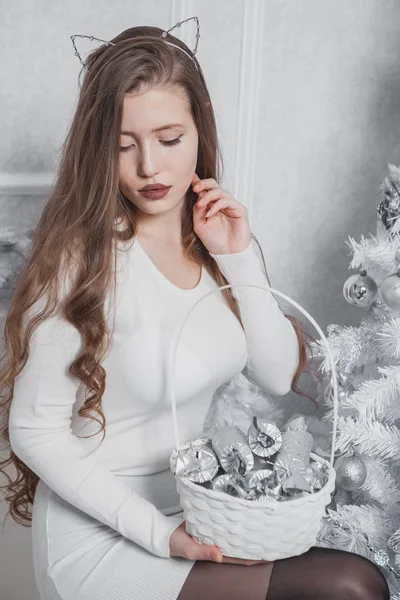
{"x": 301, "y": 309}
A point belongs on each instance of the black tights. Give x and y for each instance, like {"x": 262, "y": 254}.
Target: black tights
{"x": 326, "y": 574}
{"x": 318, "y": 574}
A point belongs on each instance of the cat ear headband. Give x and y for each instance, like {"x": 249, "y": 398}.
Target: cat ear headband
{"x": 162, "y": 36}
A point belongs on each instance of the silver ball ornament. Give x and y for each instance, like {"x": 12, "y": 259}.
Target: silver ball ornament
{"x": 390, "y": 291}
{"x": 351, "y": 473}
{"x": 360, "y": 289}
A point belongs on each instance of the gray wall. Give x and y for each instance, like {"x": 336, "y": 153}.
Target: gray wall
{"x": 307, "y": 100}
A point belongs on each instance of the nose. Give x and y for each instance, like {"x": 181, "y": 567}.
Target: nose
{"x": 149, "y": 160}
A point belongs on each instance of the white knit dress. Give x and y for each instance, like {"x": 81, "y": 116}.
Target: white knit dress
{"x": 103, "y": 513}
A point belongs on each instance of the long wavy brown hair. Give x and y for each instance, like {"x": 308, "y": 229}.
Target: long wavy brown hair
{"x": 76, "y": 227}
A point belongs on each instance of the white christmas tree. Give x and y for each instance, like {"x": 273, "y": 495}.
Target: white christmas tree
{"x": 364, "y": 516}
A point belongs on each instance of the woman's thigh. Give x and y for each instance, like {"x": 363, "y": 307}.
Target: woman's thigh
{"x": 209, "y": 580}
{"x": 327, "y": 574}
{"x": 318, "y": 574}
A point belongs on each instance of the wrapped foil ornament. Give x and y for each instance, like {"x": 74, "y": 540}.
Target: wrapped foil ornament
{"x": 360, "y": 289}
{"x": 263, "y": 462}
{"x": 232, "y": 449}
{"x": 284, "y": 472}
{"x": 319, "y": 475}
{"x": 293, "y": 458}
{"x": 263, "y": 484}
{"x": 232, "y": 484}
{"x": 265, "y": 439}
{"x": 294, "y": 476}
{"x": 195, "y": 460}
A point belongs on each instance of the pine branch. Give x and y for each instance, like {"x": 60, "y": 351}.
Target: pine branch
{"x": 369, "y": 438}
{"x": 379, "y": 486}
{"x": 369, "y": 519}
{"x": 377, "y": 398}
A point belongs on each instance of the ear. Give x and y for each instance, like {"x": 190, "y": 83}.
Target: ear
{"x": 91, "y": 38}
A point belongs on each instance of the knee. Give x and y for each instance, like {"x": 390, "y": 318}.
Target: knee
{"x": 363, "y": 582}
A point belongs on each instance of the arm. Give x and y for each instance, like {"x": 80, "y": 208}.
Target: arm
{"x": 40, "y": 435}
{"x": 272, "y": 346}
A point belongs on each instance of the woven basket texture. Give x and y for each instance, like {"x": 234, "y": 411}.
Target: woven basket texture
{"x": 254, "y": 530}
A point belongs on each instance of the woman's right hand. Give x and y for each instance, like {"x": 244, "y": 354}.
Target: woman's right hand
{"x": 183, "y": 545}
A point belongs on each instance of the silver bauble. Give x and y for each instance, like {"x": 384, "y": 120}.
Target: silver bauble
{"x": 390, "y": 291}
{"x": 351, "y": 473}
{"x": 360, "y": 289}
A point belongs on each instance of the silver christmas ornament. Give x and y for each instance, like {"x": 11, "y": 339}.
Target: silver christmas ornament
{"x": 394, "y": 542}
{"x": 360, "y": 289}
{"x": 265, "y": 439}
{"x": 389, "y": 211}
{"x": 351, "y": 473}
{"x": 390, "y": 291}
{"x": 381, "y": 558}
{"x": 229, "y": 483}
{"x": 232, "y": 449}
{"x": 389, "y": 208}
{"x": 195, "y": 460}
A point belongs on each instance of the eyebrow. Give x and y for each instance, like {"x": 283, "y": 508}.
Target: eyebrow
{"x": 169, "y": 126}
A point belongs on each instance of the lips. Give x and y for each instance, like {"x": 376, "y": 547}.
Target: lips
{"x": 154, "y": 186}
{"x": 155, "y": 194}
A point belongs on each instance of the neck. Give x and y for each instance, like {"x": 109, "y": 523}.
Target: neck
{"x": 165, "y": 228}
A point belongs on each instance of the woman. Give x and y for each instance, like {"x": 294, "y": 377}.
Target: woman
{"x": 91, "y": 356}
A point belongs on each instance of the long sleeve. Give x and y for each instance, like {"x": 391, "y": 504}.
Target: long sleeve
{"x": 41, "y": 436}
{"x": 272, "y": 346}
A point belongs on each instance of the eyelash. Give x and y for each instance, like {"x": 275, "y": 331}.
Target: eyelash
{"x": 166, "y": 143}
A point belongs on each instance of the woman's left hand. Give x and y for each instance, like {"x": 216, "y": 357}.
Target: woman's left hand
{"x": 225, "y": 229}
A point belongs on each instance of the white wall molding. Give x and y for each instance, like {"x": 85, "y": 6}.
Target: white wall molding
{"x": 249, "y": 96}
{"x": 26, "y": 184}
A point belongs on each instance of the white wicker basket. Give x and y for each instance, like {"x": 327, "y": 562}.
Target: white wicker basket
{"x": 249, "y": 529}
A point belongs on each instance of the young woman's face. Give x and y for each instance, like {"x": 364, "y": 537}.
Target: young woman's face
{"x": 147, "y": 156}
